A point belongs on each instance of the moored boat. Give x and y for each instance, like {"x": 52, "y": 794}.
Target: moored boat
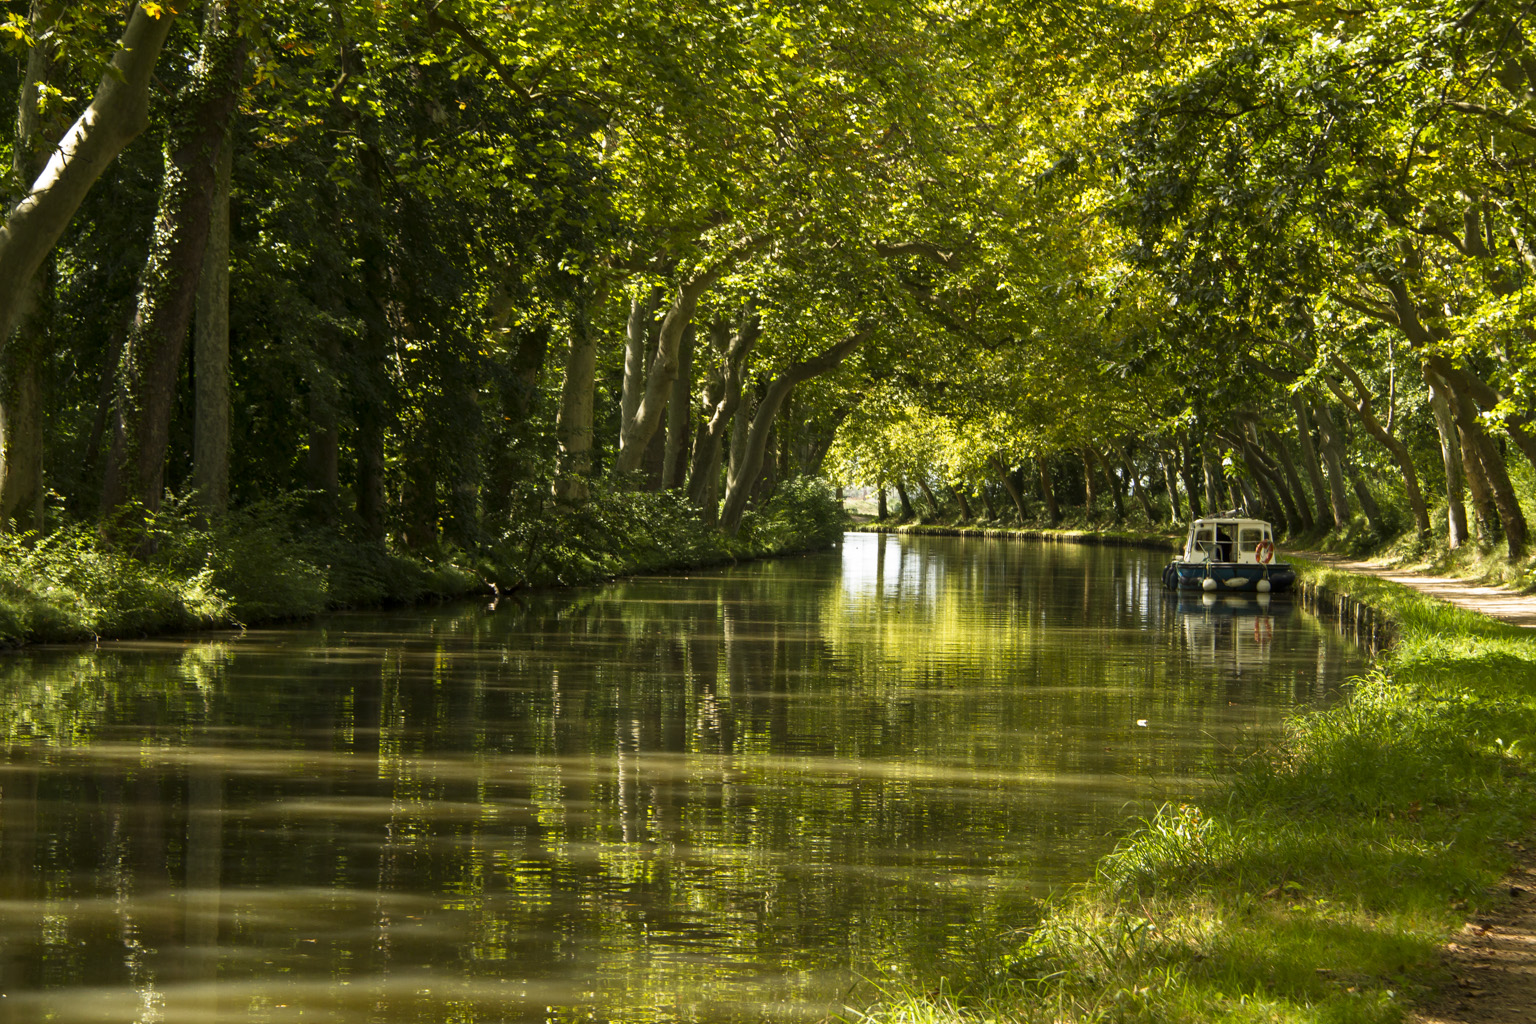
{"x": 1229, "y": 553}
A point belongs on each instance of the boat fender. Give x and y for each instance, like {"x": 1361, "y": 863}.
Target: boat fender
{"x": 1262, "y": 586}
{"x": 1208, "y": 584}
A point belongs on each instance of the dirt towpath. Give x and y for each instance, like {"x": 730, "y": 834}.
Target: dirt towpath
{"x": 1493, "y": 960}
{"x": 1498, "y": 602}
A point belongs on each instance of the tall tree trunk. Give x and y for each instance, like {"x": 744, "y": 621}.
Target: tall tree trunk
{"x": 210, "y": 452}
{"x": 1171, "y": 481}
{"x": 1485, "y": 513}
{"x": 722, "y": 400}
{"x": 21, "y": 415}
{"x": 1338, "y": 497}
{"x": 986, "y": 501}
{"x": 965, "y": 506}
{"x": 1494, "y": 471}
{"x": 1133, "y": 482}
{"x": 767, "y": 411}
{"x": 118, "y": 112}
{"x": 741, "y": 430}
{"x": 1359, "y": 399}
{"x": 638, "y": 429}
{"x": 1321, "y": 492}
{"x": 1336, "y": 455}
{"x": 1450, "y": 459}
{"x": 907, "y": 512}
{"x": 151, "y": 359}
{"x": 1266, "y": 477}
{"x": 1047, "y": 492}
{"x": 933, "y": 501}
{"x": 1303, "y": 501}
{"x": 639, "y": 343}
{"x": 1269, "y": 498}
{"x": 573, "y": 421}
{"x": 1188, "y": 466}
{"x": 1114, "y": 482}
{"x": 1090, "y": 484}
{"x": 882, "y": 511}
{"x": 1010, "y": 485}
{"x": 28, "y": 349}
{"x": 1215, "y": 482}
{"x": 679, "y": 417}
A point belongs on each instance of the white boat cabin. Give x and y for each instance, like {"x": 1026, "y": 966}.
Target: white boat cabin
{"x": 1228, "y": 539}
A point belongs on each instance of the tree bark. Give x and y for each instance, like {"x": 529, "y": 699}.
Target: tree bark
{"x": 1090, "y": 485}
{"x": 1302, "y": 499}
{"x": 1010, "y": 485}
{"x": 1133, "y": 482}
{"x": 1275, "y": 508}
{"x": 1187, "y": 473}
{"x": 1494, "y": 472}
{"x": 907, "y": 512}
{"x": 151, "y": 358}
{"x": 638, "y": 346}
{"x": 573, "y": 421}
{"x": 679, "y": 417}
{"x": 933, "y": 501}
{"x": 767, "y": 410}
{"x": 27, "y": 351}
{"x": 1116, "y": 498}
{"x": 987, "y": 503}
{"x": 965, "y": 506}
{"x": 1047, "y": 492}
{"x": 1450, "y": 459}
{"x": 638, "y": 429}
{"x": 1485, "y": 514}
{"x": 1336, "y": 512}
{"x": 210, "y": 454}
{"x": 741, "y": 429}
{"x": 118, "y": 112}
{"x": 1360, "y": 401}
{"x": 1171, "y": 482}
{"x": 722, "y": 400}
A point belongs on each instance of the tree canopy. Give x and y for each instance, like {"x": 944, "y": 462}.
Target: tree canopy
{"x": 434, "y": 265}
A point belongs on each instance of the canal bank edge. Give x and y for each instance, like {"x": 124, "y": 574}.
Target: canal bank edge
{"x": 1324, "y": 880}
{"x": 1107, "y": 538}
{"x": 258, "y": 565}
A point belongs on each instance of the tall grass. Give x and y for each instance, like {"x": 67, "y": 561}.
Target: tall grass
{"x": 1320, "y": 882}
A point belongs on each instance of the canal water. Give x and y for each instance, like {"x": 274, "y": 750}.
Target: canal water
{"x": 731, "y": 795}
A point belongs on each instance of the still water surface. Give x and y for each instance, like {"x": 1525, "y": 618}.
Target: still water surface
{"x": 717, "y": 797}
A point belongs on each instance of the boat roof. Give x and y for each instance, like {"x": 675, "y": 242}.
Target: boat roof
{"x": 1234, "y": 520}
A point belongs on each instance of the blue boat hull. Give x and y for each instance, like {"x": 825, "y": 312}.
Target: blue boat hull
{"x": 1230, "y": 577}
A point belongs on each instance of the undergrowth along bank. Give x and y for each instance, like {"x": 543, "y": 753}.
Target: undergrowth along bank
{"x": 1320, "y": 882}
{"x": 264, "y": 564}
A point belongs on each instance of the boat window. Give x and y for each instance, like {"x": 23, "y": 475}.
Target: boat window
{"x": 1248, "y": 539}
{"x": 1224, "y": 539}
{"x": 1204, "y": 542}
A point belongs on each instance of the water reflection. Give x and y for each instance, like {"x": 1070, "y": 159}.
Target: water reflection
{"x": 713, "y": 797}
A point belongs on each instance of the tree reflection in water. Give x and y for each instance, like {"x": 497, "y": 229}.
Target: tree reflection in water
{"x": 712, "y": 797}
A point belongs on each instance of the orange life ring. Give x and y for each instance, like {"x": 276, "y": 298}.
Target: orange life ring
{"x": 1264, "y": 552}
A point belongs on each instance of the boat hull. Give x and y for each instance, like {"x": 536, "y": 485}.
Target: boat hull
{"x": 1230, "y": 577}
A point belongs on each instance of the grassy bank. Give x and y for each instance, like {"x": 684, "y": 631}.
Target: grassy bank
{"x": 1319, "y": 883}
{"x": 261, "y": 564}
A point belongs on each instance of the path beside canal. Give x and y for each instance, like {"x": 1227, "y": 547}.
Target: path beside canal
{"x": 1493, "y": 960}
